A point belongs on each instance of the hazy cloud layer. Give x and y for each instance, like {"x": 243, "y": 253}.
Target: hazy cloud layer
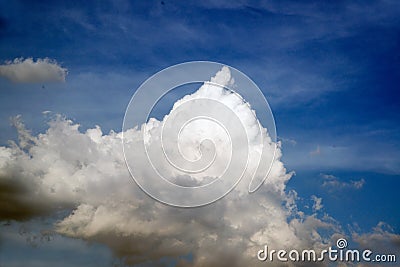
{"x": 29, "y": 71}
{"x": 64, "y": 168}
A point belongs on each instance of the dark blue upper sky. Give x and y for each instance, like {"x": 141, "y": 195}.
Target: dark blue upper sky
{"x": 330, "y": 71}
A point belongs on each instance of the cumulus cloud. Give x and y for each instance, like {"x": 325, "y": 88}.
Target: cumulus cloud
{"x": 333, "y": 182}
{"x": 29, "y": 71}
{"x": 85, "y": 173}
{"x": 381, "y": 239}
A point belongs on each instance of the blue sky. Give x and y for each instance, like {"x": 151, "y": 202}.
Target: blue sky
{"x": 330, "y": 71}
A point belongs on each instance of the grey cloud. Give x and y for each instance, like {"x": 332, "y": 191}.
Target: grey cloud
{"x": 381, "y": 239}
{"x": 65, "y": 168}
{"x": 29, "y": 71}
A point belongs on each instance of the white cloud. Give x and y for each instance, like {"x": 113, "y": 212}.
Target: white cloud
{"x": 64, "y": 168}
{"x": 333, "y": 182}
{"x": 29, "y": 71}
{"x": 317, "y": 203}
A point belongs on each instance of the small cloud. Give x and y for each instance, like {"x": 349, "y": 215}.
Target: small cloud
{"x": 288, "y": 140}
{"x": 315, "y": 152}
{"x": 328, "y": 176}
{"x": 358, "y": 184}
{"x": 332, "y": 181}
{"x": 317, "y": 203}
{"x": 29, "y": 71}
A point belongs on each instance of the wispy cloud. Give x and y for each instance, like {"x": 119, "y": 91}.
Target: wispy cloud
{"x": 288, "y": 140}
{"x": 30, "y": 71}
{"x": 316, "y": 152}
{"x": 317, "y": 203}
{"x": 333, "y": 182}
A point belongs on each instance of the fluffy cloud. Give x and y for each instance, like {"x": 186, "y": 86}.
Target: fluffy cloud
{"x": 29, "y": 71}
{"x": 381, "y": 239}
{"x": 85, "y": 173}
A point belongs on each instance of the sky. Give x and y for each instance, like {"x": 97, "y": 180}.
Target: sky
{"x": 329, "y": 70}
